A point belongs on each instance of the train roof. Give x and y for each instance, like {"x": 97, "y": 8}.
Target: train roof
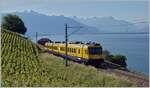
{"x": 77, "y": 44}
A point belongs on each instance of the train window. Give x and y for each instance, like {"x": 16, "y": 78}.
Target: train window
{"x": 79, "y": 51}
{"x": 75, "y": 50}
{"x": 85, "y": 51}
{"x": 62, "y": 48}
{"x": 95, "y": 50}
{"x": 67, "y": 49}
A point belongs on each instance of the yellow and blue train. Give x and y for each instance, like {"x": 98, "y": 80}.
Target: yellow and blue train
{"x": 89, "y": 53}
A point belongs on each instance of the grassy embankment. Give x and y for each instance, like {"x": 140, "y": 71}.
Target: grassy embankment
{"x": 22, "y": 65}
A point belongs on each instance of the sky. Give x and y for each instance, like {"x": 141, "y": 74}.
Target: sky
{"x": 121, "y": 9}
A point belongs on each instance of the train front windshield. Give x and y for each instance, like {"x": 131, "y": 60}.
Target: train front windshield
{"x": 95, "y": 50}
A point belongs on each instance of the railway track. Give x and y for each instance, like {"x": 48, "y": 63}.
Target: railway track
{"x": 139, "y": 80}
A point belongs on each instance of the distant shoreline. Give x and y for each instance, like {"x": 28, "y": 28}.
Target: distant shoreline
{"x": 115, "y": 33}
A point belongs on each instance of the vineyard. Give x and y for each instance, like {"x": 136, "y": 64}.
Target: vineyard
{"x": 20, "y": 63}
{"x": 22, "y": 66}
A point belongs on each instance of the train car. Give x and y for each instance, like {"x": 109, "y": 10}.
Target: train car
{"x": 90, "y": 53}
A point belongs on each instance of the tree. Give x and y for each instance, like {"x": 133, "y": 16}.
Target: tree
{"x": 42, "y": 41}
{"x": 13, "y": 23}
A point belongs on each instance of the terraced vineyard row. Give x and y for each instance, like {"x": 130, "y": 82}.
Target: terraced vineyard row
{"x": 20, "y": 63}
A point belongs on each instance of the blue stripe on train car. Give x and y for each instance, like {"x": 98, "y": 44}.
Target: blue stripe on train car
{"x": 50, "y": 52}
{"x": 80, "y": 60}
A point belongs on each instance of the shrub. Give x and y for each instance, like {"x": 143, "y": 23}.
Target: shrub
{"x": 117, "y": 59}
{"x": 42, "y": 41}
{"x": 13, "y": 23}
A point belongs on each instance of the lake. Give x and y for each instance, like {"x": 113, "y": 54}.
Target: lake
{"x": 134, "y": 46}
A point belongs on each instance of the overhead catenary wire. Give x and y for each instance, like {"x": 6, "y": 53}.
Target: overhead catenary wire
{"x": 79, "y": 28}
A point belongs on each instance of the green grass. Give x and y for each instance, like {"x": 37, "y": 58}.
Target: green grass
{"x": 22, "y": 65}
{"x": 77, "y": 74}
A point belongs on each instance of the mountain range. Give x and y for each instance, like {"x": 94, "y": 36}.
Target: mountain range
{"x": 110, "y": 24}
{"x": 37, "y": 22}
{"x": 41, "y": 23}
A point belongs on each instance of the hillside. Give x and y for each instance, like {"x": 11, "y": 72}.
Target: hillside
{"x": 22, "y": 65}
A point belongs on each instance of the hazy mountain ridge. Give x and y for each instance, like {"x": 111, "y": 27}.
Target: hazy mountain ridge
{"x": 37, "y": 22}
{"x": 111, "y": 24}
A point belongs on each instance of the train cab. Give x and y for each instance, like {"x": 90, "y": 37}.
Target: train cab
{"x": 95, "y": 52}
